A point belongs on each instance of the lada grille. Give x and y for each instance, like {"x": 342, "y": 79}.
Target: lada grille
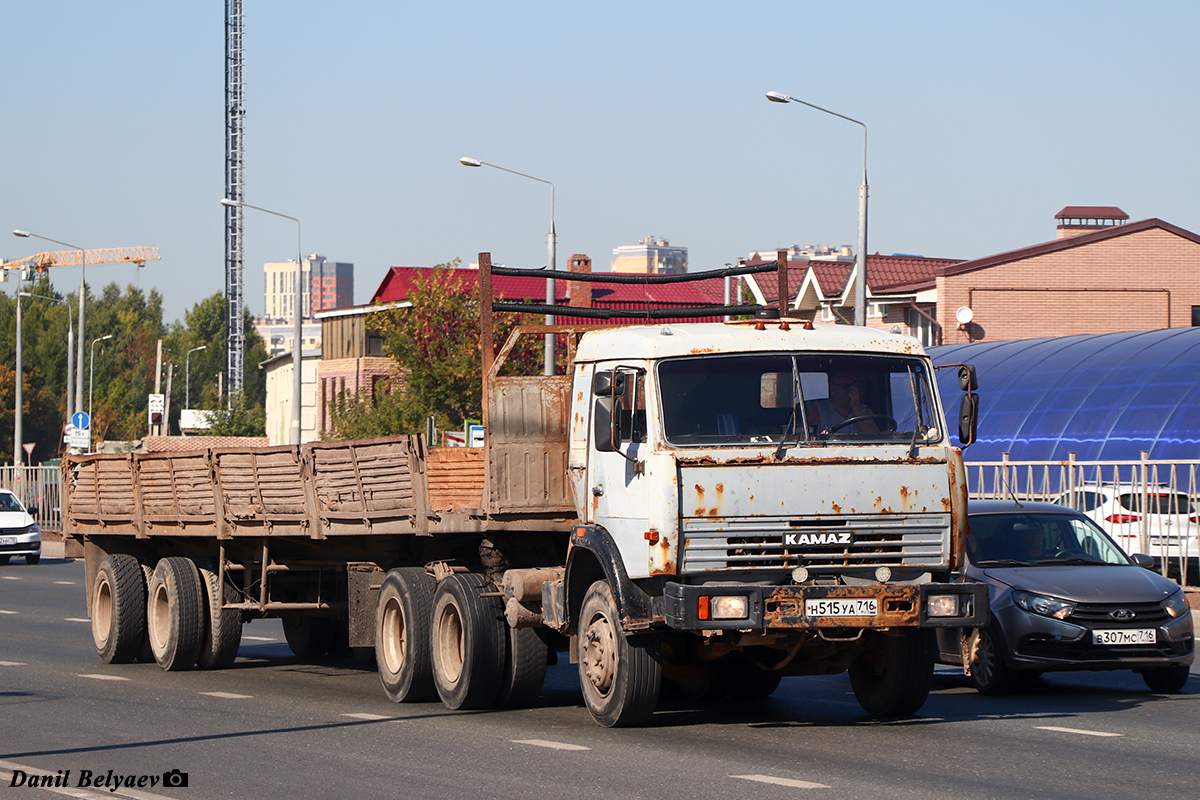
{"x": 1109, "y": 615}
{"x": 759, "y": 543}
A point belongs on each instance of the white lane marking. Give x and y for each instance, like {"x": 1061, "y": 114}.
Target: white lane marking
{"x": 76, "y": 619}
{"x": 551, "y": 745}
{"x": 6, "y": 611}
{"x": 11, "y": 578}
{"x": 12, "y": 663}
{"x": 228, "y": 695}
{"x": 258, "y": 639}
{"x": 370, "y": 717}
{"x": 7, "y": 769}
{"x": 98, "y": 677}
{"x": 781, "y": 781}
{"x": 64, "y": 583}
{"x": 1075, "y": 730}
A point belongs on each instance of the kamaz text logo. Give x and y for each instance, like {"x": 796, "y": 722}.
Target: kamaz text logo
{"x": 818, "y": 539}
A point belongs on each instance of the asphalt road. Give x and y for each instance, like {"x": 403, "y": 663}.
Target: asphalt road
{"x": 277, "y": 728}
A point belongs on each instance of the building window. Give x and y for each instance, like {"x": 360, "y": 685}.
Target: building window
{"x": 1196, "y": 316}
{"x": 826, "y": 314}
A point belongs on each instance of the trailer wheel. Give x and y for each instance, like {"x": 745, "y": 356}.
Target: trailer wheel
{"x": 223, "y": 633}
{"x": 145, "y": 653}
{"x": 402, "y": 622}
{"x": 524, "y": 668}
{"x": 308, "y": 637}
{"x": 893, "y": 678}
{"x": 620, "y": 674}
{"x": 468, "y": 642}
{"x": 118, "y": 609}
{"x": 175, "y": 615}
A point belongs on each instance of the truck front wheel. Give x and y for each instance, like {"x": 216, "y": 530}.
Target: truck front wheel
{"x": 620, "y": 674}
{"x": 468, "y": 639}
{"x": 119, "y": 609}
{"x": 402, "y": 623}
{"x": 893, "y": 677}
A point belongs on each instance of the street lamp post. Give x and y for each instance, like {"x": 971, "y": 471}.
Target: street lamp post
{"x": 18, "y": 393}
{"x": 82, "y": 306}
{"x": 92, "y": 371}
{"x": 187, "y": 375}
{"x": 298, "y": 302}
{"x": 860, "y": 260}
{"x": 551, "y": 254}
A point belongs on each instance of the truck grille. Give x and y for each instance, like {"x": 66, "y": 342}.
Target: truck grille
{"x": 759, "y": 543}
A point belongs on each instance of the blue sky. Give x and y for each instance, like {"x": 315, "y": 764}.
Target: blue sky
{"x": 649, "y": 117}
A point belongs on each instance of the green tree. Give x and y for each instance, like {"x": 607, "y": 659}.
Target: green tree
{"x": 204, "y": 326}
{"x": 436, "y": 344}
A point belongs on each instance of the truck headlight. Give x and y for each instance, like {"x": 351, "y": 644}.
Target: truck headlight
{"x": 1042, "y": 605}
{"x": 723, "y": 607}
{"x": 943, "y": 605}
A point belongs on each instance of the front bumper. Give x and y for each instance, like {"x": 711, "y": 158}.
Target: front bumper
{"x": 1046, "y": 644}
{"x": 783, "y": 607}
{"x": 16, "y": 542}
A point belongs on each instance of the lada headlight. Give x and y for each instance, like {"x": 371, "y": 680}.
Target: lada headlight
{"x": 1176, "y": 605}
{"x": 1042, "y": 605}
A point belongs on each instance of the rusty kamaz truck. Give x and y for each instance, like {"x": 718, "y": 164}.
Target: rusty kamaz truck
{"x": 716, "y": 505}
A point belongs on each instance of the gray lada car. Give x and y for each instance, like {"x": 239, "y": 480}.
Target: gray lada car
{"x": 1065, "y": 597}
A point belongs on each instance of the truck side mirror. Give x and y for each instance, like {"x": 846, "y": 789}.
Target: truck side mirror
{"x": 968, "y": 419}
{"x": 967, "y": 379}
{"x": 605, "y": 431}
{"x": 609, "y": 384}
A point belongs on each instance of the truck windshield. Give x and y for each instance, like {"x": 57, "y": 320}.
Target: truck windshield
{"x": 764, "y": 399}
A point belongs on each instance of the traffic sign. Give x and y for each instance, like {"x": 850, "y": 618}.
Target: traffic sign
{"x": 81, "y": 419}
{"x": 79, "y": 439}
{"x": 28, "y": 447}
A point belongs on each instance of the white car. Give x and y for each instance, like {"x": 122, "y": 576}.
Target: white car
{"x": 1172, "y": 522}
{"x": 19, "y": 531}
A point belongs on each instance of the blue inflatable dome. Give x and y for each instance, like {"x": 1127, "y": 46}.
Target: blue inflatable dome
{"x": 1104, "y": 397}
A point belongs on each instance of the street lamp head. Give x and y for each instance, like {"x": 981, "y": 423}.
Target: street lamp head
{"x": 22, "y": 234}
{"x": 470, "y": 162}
{"x": 225, "y": 201}
{"x": 778, "y": 97}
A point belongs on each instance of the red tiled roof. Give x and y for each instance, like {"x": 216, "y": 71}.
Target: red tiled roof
{"x": 400, "y": 281}
{"x": 183, "y": 444}
{"x": 1053, "y": 246}
{"x": 885, "y": 274}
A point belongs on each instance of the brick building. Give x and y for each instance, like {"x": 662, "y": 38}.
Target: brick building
{"x": 1101, "y": 274}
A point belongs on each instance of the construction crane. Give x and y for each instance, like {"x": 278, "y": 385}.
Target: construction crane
{"x": 71, "y": 258}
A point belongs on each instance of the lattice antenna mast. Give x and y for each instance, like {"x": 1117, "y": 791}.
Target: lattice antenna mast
{"x": 235, "y": 115}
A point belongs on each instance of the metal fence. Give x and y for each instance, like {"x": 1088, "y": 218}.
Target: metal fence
{"x": 39, "y": 487}
{"x": 1148, "y": 506}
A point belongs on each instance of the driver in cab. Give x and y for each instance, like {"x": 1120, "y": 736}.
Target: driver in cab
{"x": 845, "y": 402}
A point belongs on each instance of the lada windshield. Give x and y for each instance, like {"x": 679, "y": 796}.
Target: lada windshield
{"x": 788, "y": 399}
{"x": 1038, "y": 539}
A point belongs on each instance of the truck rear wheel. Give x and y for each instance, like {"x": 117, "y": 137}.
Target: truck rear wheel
{"x": 119, "y": 609}
{"x": 175, "y": 613}
{"x": 524, "y": 669}
{"x": 402, "y": 624}
{"x": 620, "y": 675}
{"x": 223, "y": 634}
{"x": 893, "y": 678}
{"x": 468, "y": 639}
{"x": 308, "y": 637}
